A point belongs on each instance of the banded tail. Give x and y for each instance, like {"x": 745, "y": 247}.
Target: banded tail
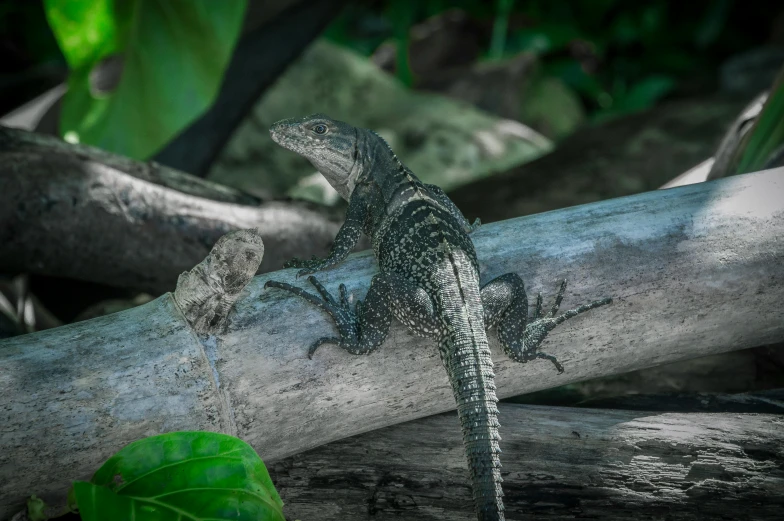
{"x": 466, "y": 354}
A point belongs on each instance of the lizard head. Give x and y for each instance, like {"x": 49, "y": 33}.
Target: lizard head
{"x": 330, "y": 145}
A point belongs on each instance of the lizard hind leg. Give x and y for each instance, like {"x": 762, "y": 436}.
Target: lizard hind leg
{"x": 363, "y": 329}
{"x": 506, "y": 305}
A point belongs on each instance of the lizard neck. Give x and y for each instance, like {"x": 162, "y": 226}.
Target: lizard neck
{"x": 382, "y": 168}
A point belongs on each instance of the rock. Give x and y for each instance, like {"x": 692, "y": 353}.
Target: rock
{"x": 632, "y": 154}
{"x": 751, "y": 72}
{"x": 446, "y": 142}
{"x": 445, "y": 54}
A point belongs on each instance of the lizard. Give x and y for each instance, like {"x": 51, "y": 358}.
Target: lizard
{"x": 428, "y": 279}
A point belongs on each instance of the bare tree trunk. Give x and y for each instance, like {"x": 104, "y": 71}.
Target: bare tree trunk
{"x": 78, "y": 212}
{"x": 694, "y": 270}
{"x": 558, "y": 463}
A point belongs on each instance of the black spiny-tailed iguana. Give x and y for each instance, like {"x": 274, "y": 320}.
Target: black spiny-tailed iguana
{"x": 429, "y": 280}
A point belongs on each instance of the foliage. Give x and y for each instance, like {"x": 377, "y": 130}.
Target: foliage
{"x": 141, "y": 70}
{"x": 498, "y": 40}
{"x": 620, "y": 57}
{"x": 181, "y": 476}
{"x": 766, "y": 138}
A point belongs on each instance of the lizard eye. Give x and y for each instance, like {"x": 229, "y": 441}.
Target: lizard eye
{"x": 320, "y": 129}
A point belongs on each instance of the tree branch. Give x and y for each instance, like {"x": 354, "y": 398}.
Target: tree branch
{"x": 693, "y": 271}
{"x": 79, "y": 212}
{"x": 558, "y": 463}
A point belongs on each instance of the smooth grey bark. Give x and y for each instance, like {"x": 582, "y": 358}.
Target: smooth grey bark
{"x": 82, "y": 213}
{"x": 558, "y": 463}
{"x": 693, "y": 271}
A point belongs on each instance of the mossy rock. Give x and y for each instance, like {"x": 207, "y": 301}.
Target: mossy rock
{"x": 443, "y": 141}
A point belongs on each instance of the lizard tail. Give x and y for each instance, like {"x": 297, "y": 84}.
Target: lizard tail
{"x": 466, "y": 356}
{"x": 471, "y": 375}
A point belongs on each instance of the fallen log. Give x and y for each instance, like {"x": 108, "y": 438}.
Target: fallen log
{"x": 558, "y": 463}
{"x": 693, "y": 271}
{"x": 82, "y": 213}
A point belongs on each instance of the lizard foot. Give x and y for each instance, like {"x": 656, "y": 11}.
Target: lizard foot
{"x": 536, "y": 331}
{"x": 339, "y": 309}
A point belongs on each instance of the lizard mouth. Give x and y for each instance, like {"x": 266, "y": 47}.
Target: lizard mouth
{"x": 279, "y": 134}
{"x": 276, "y": 134}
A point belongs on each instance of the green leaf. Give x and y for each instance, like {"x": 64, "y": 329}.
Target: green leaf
{"x": 713, "y": 23}
{"x": 500, "y": 25}
{"x": 642, "y": 95}
{"x": 645, "y": 93}
{"x": 169, "y": 57}
{"x": 551, "y": 107}
{"x": 181, "y": 476}
{"x": 572, "y": 73}
{"x": 401, "y": 13}
{"x": 544, "y": 38}
{"x": 36, "y": 509}
{"x": 766, "y": 138}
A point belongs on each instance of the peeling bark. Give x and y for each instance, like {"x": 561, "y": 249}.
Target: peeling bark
{"x": 558, "y": 463}
{"x": 81, "y": 213}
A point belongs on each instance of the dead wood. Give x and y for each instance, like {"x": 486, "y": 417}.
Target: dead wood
{"x": 558, "y": 463}
{"x": 693, "y": 271}
{"x": 82, "y": 213}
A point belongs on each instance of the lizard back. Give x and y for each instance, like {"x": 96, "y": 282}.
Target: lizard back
{"x": 420, "y": 240}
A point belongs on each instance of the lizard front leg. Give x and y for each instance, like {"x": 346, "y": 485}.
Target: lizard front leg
{"x": 506, "y": 305}
{"x": 345, "y": 240}
{"x": 364, "y": 328}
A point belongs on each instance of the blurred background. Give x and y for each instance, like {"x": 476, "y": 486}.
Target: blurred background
{"x": 514, "y": 107}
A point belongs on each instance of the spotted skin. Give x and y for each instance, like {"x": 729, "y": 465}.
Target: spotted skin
{"x": 428, "y": 280}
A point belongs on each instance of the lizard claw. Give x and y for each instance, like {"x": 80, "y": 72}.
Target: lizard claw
{"x": 343, "y": 296}
{"x": 329, "y": 299}
{"x": 537, "y": 330}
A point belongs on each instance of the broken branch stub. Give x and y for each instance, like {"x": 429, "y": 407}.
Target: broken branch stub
{"x": 207, "y": 293}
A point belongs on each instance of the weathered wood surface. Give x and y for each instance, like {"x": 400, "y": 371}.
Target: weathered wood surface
{"x": 694, "y": 270}
{"x": 558, "y": 463}
{"x": 81, "y": 213}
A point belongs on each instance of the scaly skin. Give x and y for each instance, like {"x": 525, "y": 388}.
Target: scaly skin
{"x": 428, "y": 280}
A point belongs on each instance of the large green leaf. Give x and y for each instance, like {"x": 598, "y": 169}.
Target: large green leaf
{"x": 181, "y": 476}
{"x": 170, "y": 54}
